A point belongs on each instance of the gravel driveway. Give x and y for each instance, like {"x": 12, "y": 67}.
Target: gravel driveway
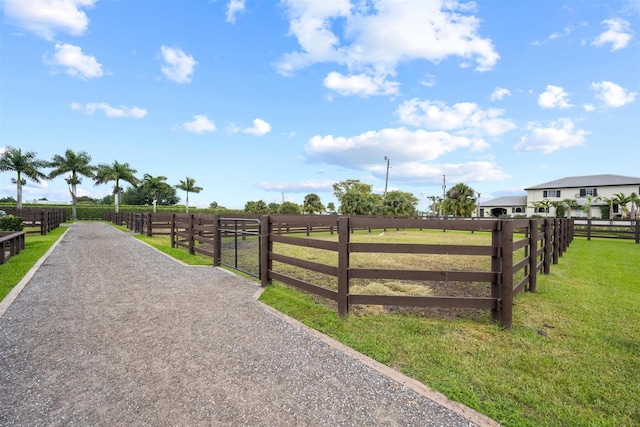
{"x": 111, "y": 332}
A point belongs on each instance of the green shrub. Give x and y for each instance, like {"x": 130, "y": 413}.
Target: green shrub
{"x": 11, "y": 223}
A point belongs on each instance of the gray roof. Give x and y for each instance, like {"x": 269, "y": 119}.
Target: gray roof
{"x": 588, "y": 181}
{"x": 506, "y": 201}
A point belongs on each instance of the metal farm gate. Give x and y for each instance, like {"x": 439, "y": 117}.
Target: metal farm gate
{"x": 239, "y": 244}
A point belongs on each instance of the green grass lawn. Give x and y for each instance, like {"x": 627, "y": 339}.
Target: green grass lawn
{"x": 19, "y": 265}
{"x": 585, "y": 371}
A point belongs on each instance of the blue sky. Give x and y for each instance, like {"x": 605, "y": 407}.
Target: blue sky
{"x": 273, "y": 100}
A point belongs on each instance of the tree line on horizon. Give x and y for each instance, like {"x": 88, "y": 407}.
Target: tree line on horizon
{"x": 354, "y": 197}
{"x": 74, "y": 166}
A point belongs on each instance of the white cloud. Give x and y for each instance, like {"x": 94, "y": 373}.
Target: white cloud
{"x": 618, "y": 34}
{"x": 77, "y": 64}
{"x": 413, "y": 155}
{"x": 612, "y": 94}
{"x": 47, "y": 17}
{"x": 429, "y": 80}
{"x": 554, "y": 97}
{"x": 567, "y": 30}
{"x": 465, "y": 118}
{"x": 589, "y": 108}
{"x": 499, "y": 93}
{"x": 234, "y": 7}
{"x": 366, "y": 150}
{"x": 259, "y": 128}
{"x": 298, "y": 186}
{"x": 109, "y": 111}
{"x": 362, "y": 84}
{"x": 199, "y": 124}
{"x": 377, "y": 36}
{"x": 178, "y": 66}
{"x": 558, "y": 135}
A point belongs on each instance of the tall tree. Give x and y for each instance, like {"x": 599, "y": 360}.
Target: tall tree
{"x": 25, "y": 165}
{"x": 77, "y": 165}
{"x": 399, "y": 204}
{"x": 154, "y": 184}
{"x": 622, "y": 200}
{"x": 189, "y": 186}
{"x": 342, "y": 187}
{"x": 461, "y": 200}
{"x": 312, "y": 204}
{"x": 289, "y": 208}
{"x": 256, "y": 207}
{"x": 116, "y": 172}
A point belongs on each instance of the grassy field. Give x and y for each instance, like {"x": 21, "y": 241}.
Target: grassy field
{"x": 572, "y": 357}
{"x": 17, "y": 266}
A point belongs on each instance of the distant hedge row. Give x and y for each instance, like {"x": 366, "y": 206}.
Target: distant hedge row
{"x": 94, "y": 212}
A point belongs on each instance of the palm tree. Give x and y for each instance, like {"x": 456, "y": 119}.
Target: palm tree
{"x": 154, "y": 184}
{"x": 621, "y": 200}
{"x": 116, "y": 172}
{"x": 543, "y": 204}
{"x": 78, "y": 165}
{"x": 26, "y": 165}
{"x": 570, "y": 204}
{"x": 461, "y": 200}
{"x": 635, "y": 201}
{"x": 189, "y": 185}
{"x": 312, "y": 204}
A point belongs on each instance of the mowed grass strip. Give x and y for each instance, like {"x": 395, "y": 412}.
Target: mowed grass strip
{"x": 19, "y": 265}
{"x": 572, "y": 357}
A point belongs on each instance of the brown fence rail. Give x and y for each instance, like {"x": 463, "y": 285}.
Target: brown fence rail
{"x": 11, "y": 243}
{"x": 46, "y": 219}
{"x": 608, "y": 228}
{"x": 515, "y": 252}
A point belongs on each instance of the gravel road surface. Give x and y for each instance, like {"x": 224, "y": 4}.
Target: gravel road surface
{"x": 110, "y": 332}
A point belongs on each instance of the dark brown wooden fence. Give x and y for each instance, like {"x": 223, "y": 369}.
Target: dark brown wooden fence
{"x": 11, "y": 243}
{"x": 517, "y": 251}
{"x": 541, "y": 241}
{"x": 45, "y": 219}
{"x": 608, "y": 229}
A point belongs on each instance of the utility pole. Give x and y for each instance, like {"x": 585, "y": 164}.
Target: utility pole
{"x": 444, "y": 194}
{"x": 386, "y": 181}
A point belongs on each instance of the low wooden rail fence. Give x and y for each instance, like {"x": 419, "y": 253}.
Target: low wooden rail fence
{"x": 541, "y": 241}
{"x": 516, "y": 251}
{"x": 11, "y": 243}
{"x": 46, "y": 219}
{"x": 608, "y": 228}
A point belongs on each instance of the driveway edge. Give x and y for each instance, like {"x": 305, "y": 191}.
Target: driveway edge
{"x": 13, "y": 294}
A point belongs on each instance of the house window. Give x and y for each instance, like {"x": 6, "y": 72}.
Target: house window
{"x": 550, "y": 193}
{"x": 518, "y": 210}
{"x": 588, "y": 192}
{"x": 542, "y": 210}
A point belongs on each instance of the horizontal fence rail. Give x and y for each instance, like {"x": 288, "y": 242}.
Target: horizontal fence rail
{"x": 608, "y": 228}
{"x": 515, "y": 252}
{"x": 44, "y": 219}
{"x": 11, "y": 243}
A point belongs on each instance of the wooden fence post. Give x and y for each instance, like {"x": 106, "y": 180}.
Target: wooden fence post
{"x": 149, "y": 224}
{"x": 533, "y": 254}
{"x": 217, "y": 240}
{"x": 548, "y": 244}
{"x": 495, "y": 266}
{"x": 637, "y": 230}
{"x": 556, "y": 240}
{"x": 266, "y": 247}
{"x": 173, "y": 230}
{"x": 588, "y": 228}
{"x": 43, "y": 223}
{"x": 343, "y": 266}
{"x": 506, "y": 288}
{"x": 191, "y": 235}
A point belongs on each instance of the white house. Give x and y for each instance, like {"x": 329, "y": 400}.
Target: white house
{"x": 511, "y": 205}
{"x": 585, "y": 190}
{"x": 595, "y": 190}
